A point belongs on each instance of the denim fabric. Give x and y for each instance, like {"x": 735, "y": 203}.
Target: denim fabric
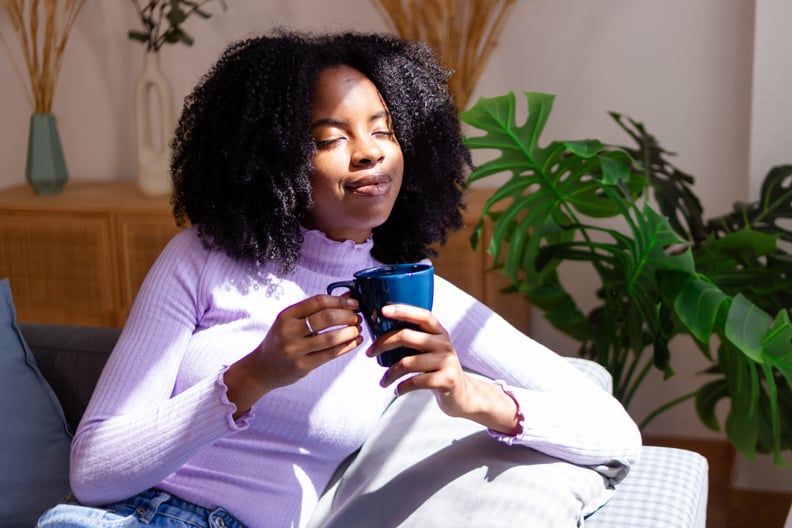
{"x": 152, "y": 508}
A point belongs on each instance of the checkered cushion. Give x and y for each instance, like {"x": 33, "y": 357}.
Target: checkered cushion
{"x": 667, "y": 488}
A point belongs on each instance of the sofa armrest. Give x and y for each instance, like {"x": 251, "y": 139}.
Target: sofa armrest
{"x": 667, "y": 487}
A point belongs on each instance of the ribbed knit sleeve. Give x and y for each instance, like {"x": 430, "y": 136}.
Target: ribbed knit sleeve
{"x": 564, "y": 413}
{"x": 135, "y": 432}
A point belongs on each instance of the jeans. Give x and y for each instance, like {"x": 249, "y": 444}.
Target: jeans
{"x": 152, "y": 508}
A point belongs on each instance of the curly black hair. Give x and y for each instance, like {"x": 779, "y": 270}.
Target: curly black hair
{"x": 242, "y": 152}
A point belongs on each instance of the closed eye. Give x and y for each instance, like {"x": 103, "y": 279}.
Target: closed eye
{"x": 327, "y": 142}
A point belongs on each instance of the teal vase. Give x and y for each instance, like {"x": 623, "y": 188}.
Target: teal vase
{"x": 46, "y": 168}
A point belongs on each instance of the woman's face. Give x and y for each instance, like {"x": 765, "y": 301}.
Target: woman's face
{"x": 358, "y": 164}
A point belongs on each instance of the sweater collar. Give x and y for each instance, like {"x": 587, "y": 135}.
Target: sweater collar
{"x": 319, "y": 253}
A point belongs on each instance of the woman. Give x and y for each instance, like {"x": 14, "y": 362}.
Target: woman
{"x": 237, "y": 386}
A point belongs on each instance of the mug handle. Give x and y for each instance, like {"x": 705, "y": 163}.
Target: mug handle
{"x": 350, "y": 285}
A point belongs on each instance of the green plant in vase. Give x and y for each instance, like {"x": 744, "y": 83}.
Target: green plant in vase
{"x": 724, "y": 282}
{"x": 162, "y": 21}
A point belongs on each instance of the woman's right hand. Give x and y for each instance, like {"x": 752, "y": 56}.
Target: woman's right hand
{"x": 303, "y": 337}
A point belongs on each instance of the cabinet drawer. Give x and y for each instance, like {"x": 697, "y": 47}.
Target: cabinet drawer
{"x": 61, "y": 267}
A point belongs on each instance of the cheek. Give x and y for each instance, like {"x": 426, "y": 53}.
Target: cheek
{"x": 321, "y": 179}
{"x": 323, "y": 186}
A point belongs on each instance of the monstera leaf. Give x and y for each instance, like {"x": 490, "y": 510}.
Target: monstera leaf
{"x": 766, "y": 215}
{"x": 660, "y": 273}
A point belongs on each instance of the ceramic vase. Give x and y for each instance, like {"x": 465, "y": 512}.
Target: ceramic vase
{"x": 153, "y": 150}
{"x": 46, "y": 168}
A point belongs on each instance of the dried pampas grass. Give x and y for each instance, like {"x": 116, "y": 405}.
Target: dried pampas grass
{"x": 42, "y": 27}
{"x": 463, "y": 33}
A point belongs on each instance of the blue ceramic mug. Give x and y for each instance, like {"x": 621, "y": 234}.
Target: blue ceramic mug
{"x": 390, "y": 284}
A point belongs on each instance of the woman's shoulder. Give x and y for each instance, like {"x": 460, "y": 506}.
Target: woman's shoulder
{"x": 187, "y": 251}
{"x": 186, "y": 239}
{"x": 188, "y": 244}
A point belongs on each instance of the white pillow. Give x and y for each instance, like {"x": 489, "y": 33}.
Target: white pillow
{"x": 422, "y": 468}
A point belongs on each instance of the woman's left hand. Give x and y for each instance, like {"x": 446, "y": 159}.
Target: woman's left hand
{"x": 437, "y": 368}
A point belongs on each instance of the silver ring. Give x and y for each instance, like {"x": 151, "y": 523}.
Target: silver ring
{"x": 308, "y": 326}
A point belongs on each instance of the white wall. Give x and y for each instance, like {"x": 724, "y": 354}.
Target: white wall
{"x": 771, "y": 120}
{"x": 770, "y": 145}
{"x": 683, "y": 68}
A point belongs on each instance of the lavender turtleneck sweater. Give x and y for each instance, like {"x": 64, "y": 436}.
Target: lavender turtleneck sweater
{"x": 160, "y": 416}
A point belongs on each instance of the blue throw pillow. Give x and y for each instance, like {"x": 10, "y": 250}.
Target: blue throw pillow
{"x": 34, "y": 439}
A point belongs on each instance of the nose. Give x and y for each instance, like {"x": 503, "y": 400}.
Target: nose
{"x": 367, "y": 152}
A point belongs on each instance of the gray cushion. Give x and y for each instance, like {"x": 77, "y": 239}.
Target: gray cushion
{"x": 34, "y": 441}
{"x": 71, "y": 358}
{"x": 422, "y": 468}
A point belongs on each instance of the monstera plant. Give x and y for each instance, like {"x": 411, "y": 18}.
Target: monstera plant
{"x": 663, "y": 271}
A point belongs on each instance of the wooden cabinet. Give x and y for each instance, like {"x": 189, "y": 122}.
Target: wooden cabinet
{"x": 79, "y": 257}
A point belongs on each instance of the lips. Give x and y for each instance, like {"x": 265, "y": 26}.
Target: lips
{"x": 370, "y": 186}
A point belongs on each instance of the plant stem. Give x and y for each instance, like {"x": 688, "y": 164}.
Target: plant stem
{"x": 142, "y": 16}
{"x": 654, "y": 414}
{"x": 157, "y": 41}
{"x": 625, "y": 394}
{"x": 616, "y": 367}
{"x": 637, "y": 383}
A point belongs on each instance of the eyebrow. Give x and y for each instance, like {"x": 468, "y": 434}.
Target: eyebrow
{"x": 331, "y": 121}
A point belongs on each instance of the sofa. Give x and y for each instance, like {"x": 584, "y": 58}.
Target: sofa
{"x": 441, "y": 473}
